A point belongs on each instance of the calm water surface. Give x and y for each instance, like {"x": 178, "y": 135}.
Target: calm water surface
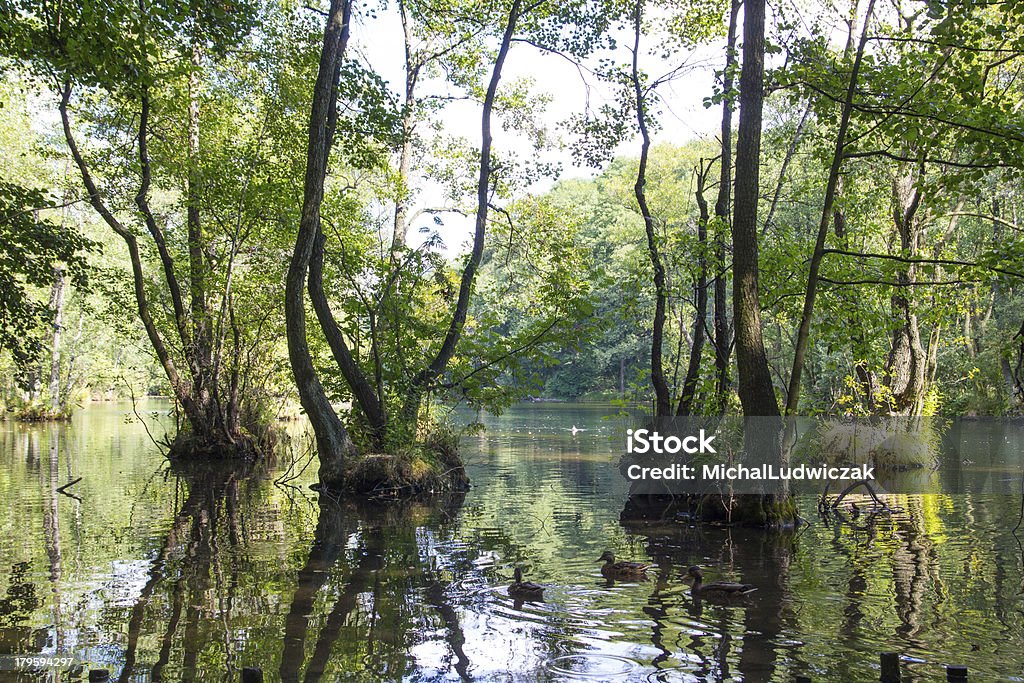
{"x": 172, "y": 574}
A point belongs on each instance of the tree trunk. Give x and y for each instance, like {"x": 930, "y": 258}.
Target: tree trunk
{"x": 755, "y": 382}
{"x": 181, "y": 390}
{"x": 907, "y": 364}
{"x": 412, "y": 70}
{"x": 422, "y": 381}
{"x": 1017, "y": 372}
{"x": 57, "y": 400}
{"x": 662, "y": 403}
{"x": 368, "y": 401}
{"x": 689, "y": 393}
{"x": 723, "y": 335}
{"x": 333, "y": 442}
{"x": 757, "y": 395}
{"x": 804, "y": 332}
{"x": 786, "y": 161}
{"x": 203, "y": 391}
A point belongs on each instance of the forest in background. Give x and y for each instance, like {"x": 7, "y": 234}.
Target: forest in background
{"x": 159, "y": 163}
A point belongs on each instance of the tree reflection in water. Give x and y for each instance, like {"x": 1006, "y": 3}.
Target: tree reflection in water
{"x": 749, "y": 556}
{"x": 353, "y": 603}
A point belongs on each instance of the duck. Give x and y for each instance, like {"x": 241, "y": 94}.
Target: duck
{"x": 720, "y": 589}
{"x": 621, "y": 570}
{"x": 525, "y": 590}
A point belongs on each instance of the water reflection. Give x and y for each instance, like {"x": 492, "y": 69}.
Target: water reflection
{"x": 160, "y": 573}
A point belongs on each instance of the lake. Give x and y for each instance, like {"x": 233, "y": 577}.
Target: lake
{"x": 161, "y": 573}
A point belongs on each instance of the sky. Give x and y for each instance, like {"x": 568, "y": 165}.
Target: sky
{"x": 683, "y": 115}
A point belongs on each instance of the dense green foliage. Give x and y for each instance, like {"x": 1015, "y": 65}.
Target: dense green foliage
{"x": 192, "y": 124}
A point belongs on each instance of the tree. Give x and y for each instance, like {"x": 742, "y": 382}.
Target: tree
{"x": 146, "y": 73}
{"x": 333, "y": 442}
{"x": 415, "y": 310}
{"x": 803, "y": 334}
{"x": 635, "y": 112}
{"x": 34, "y": 253}
{"x": 756, "y": 391}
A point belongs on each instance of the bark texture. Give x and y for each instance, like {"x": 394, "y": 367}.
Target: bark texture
{"x": 757, "y": 394}
{"x": 755, "y": 383}
{"x": 333, "y": 443}
{"x": 723, "y": 206}
{"x": 907, "y": 364}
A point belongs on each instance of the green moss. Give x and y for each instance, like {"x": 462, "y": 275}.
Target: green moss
{"x": 186, "y": 446}
{"x": 416, "y": 472}
{"x": 427, "y": 462}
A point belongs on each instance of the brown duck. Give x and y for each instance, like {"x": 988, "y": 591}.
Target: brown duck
{"x": 717, "y": 589}
{"x": 525, "y": 590}
{"x": 621, "y": 570}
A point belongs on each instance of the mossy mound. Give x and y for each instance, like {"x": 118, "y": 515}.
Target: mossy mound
{"x": 384, "y": 475}
{"x": 186, "y": 446}
{"x": 38, "y": 412}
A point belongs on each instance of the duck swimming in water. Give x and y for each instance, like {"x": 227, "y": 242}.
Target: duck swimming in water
{"x": 525, "y": 590}
{"x": 621, "y": 570}
{"x": 717, "y": 589}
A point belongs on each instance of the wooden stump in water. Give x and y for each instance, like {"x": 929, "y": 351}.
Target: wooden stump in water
{"x": 890, "y": 667}
{"x": 956, "y": 672}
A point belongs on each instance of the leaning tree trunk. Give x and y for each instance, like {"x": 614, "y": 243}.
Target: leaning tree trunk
{"x": 195, "y": 387}
{"x": 333, "y": 442}
{"x": 423, "y": 380}
{"x": 178, "y": 384}
{"x": 827, "y": 219}
{"x": 366, "y": 398}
